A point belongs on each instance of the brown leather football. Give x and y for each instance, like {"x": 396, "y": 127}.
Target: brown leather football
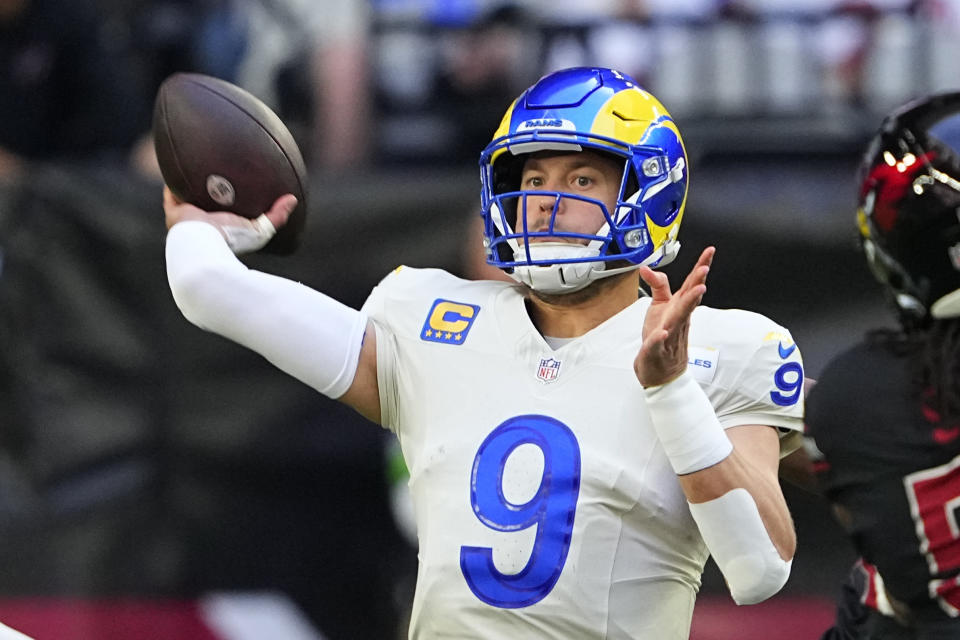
{"x": 222, "y": 149}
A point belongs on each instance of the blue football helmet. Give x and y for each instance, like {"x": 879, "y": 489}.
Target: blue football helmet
{"x": 573, "y": 110}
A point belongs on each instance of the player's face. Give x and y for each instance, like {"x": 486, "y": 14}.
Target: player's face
{"x": 582, "y": 173}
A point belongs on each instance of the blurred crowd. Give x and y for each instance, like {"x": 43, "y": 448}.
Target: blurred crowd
{"x": 78, "y": 80}
{"x": 387, "y": 82}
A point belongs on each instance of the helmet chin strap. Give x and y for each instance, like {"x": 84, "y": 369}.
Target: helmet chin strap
{"x": 565, "y": 277}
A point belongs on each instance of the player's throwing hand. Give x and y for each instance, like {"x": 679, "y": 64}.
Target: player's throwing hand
{"x": 663, "y": 355}
{"x": 243, "y": 235}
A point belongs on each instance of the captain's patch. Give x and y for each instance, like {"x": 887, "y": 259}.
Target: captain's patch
{"x": 449, "y": 322}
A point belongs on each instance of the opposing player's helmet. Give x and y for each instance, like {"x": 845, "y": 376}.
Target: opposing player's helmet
{"x": 909, "y": 207}
{"x": 601, "y": 110}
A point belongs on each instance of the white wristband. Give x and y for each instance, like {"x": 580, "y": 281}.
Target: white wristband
{"x": 686, "y": 425}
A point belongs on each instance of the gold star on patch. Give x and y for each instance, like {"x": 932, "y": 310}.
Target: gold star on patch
{"x": 458, "y": 337}
{"x": 448, "y": 335}
{"x": 428, "y": 333}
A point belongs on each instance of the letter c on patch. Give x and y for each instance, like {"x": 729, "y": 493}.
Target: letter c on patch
{"x": 450, "y": 316}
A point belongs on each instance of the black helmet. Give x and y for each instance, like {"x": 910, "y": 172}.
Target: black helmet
{"x": 909, "y": 208}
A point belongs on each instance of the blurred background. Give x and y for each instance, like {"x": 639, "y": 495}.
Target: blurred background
{"x": 160, "y": 482}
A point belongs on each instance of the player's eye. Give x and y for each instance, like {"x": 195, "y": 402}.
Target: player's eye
{"x": 534, "y": 181}
{"x": 584, "y": 181}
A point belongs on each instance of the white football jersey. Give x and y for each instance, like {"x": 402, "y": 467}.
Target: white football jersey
{"x": 545, "y": 505}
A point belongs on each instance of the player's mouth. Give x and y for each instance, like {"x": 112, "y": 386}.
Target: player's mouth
{"x": 556, "y": 240}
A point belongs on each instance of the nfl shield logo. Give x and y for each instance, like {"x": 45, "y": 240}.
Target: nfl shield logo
{"x": 548, "y": 370}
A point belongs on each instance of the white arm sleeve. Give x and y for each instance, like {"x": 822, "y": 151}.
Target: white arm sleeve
{"x": 731, "y": 525}
{"x": 307, "y": 334}
{"x": 739, "y": 543}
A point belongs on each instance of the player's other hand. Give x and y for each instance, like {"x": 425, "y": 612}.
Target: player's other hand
{"x": 243, "y": 235}
{"x": 663, "y": 355}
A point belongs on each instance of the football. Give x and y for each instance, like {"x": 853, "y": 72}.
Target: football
{"x": 221, "y": 148}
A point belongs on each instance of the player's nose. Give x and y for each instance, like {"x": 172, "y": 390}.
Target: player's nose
{"x": 539, "y": 212}
{"x": 545, "y": 204}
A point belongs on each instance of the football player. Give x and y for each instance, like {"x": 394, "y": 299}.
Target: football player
{"x": 576, "y": 448}
{"x": 886, "y": 413}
